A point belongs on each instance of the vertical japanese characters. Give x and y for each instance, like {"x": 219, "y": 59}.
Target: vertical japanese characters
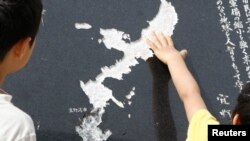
{"x": 225, "y": 112}
{"x": 234, "y": 19}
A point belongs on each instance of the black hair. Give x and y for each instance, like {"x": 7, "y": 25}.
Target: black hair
{"x": 19, "y": 19}
{"x": 243, "y": 105}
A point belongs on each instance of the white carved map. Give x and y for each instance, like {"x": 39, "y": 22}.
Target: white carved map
{"x": 98, "y": 94}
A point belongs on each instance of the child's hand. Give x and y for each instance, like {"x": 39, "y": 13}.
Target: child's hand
{"x": 163, "y": 48}
{"x": 183, "y": 80}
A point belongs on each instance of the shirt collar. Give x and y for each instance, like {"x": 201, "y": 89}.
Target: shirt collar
{"x": 4, "y": 97}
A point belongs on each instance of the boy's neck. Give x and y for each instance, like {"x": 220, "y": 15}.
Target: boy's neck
{"x": 2, "y": 77}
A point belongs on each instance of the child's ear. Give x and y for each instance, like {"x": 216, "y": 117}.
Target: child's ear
{"x": 236, "y": 119}
{"x": 21, "y": 47}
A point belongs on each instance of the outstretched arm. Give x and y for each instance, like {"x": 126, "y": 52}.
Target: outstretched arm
{"x": 183, "y": 80}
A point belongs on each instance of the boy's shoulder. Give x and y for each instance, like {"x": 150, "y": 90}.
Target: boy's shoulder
{"x": 10, "y": 111}
{"x": 14, "y": 121}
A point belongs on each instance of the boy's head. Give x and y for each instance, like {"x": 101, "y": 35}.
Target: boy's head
{"x": 242, "y": 109}
{"x": 19, "y": 23}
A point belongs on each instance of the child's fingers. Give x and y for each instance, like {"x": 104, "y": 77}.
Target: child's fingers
{"x": 155, "y": 40}
{"x": 151, "y": 44}
{"x": 162, "y": 39}
{"x": 170, "y": 41}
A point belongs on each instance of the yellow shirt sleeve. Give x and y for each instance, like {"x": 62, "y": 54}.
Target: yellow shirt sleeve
{"x": 198, "y": 126}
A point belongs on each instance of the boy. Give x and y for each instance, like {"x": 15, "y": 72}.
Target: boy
{"x": 19, "y": 23}
{"x": 188, "y": 90}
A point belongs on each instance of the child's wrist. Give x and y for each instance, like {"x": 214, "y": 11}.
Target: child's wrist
{"x": 174, "y": 60}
